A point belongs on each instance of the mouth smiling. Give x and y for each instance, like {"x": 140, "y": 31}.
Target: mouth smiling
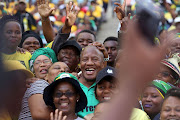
{"x": 107, "y": 98}
{"x": 90, "y": 71}
{"x": 147, "y": 105}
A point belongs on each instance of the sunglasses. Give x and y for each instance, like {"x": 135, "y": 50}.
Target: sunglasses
{"x": 67, "y": 94}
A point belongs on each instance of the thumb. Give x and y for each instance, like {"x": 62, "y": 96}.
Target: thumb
{"x": 51, "y": 10}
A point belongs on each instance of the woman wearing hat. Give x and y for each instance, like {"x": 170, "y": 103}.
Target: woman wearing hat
{"x": 13, "y": 88}
{"x": 153, "y": 96}
{"x": 66, "y": 95}
{"x": 169, "y": 70}
{"x": 33, "y": 106}
{"x": 31, "y": 41}
{"x": 41, "y": 60}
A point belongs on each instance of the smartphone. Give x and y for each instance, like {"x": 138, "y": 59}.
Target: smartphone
{"x": 149, "y": 17}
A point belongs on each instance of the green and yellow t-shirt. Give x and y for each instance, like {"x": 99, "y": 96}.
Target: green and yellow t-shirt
{"x": 22, "y": 57}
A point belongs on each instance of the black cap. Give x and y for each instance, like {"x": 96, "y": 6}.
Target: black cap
{"x": 107, "y": 71}
{"x": 71, "y": 43}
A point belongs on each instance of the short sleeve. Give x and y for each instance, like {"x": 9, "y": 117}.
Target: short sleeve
{"x": 37, "y": 87}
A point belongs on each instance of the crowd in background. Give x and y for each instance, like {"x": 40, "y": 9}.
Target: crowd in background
{"x": 53, "y": 67}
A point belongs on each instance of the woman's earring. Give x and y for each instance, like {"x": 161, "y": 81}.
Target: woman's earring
{"x": 77, "y": 100}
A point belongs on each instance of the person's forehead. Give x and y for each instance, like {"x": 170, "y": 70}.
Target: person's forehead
{"x": 42, "y": 57}
{"x": 31, "y": 39}
{"x": 65, "y": 86}
{"x": 86, "y": 35}
{"x": 62, "y": 64}
{"x": 111, "y": 43}
{"x": 91, "y": 50}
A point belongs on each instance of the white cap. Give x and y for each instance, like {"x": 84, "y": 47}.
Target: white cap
{"x": 169, "y": 1}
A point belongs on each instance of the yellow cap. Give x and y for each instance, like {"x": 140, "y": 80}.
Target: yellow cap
{"x": 12, "y": 65}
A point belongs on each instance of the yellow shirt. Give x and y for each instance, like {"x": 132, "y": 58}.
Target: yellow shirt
{"x": 22, "y": 57}
{"x": 138, "y": 114}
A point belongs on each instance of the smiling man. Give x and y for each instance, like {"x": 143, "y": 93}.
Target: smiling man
{"x": 91, "y": 62}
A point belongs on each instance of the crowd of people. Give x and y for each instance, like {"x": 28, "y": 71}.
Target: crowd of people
{"x": 53, "y": 67}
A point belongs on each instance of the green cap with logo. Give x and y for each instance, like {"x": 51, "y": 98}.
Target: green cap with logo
{"x": 65, "y": 77}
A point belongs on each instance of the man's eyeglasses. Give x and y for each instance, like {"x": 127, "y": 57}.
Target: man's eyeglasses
{"x": 67, "y": 94}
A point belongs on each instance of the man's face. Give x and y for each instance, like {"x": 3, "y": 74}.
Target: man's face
{"x": 85, "y": 38}
{"x": 22, "y": 6}
{"x": 112, "y": 49}
{"x": 91, "y": 62}
{"x": 69, "y": 55}
{"x": 175, "y": 46}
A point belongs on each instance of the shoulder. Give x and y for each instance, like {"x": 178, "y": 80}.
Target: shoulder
{"x": 138, "y": 114}
{"x": 37, "y": 87}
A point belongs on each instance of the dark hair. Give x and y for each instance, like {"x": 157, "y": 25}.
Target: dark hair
{"x": 111, "y": 38}
{"x": 174, "y": 92}
{"x": 7, "y": 18}
{"x": 87, "y": 31}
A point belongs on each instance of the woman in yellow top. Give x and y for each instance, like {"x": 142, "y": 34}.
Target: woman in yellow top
{"x": 11, "y": 35}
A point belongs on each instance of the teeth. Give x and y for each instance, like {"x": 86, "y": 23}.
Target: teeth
{"x": 107, "y": 98}
{"x": 90, "y": 69}
{"x": 64, "y": 104}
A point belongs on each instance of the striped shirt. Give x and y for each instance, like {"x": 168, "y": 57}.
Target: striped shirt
{"x": 36, "y": 88}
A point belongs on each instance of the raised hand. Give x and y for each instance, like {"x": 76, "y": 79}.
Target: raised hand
{"x": 57, "y": 115}
{"x": 71, "y": 14}
{"x": 44, "y": 9}
{"x": 120, "y": 10}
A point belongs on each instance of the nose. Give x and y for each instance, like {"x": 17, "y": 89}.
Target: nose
{"x": 85, "y": 43}
{"x": 107, "y": 91}
{"x": 62, "y": 70}
{"x": 63, "y": 97}
{"x": 148, "y": 99}
{"x": 13, "y": 34}
{"x": 42, "y": 64}
{"x": 109, "y": 51}
{"x": 89, "y": 62}
{"x": 172, "y": 113}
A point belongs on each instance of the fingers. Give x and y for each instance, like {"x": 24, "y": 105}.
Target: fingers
{"x": 43, "y": 1}
{"x": 38, "y": 2}
{"x": 129, "y": 16}
{"x": 47, "y": 2}
{"x": 118, "y": 4}
{"x": 56, "y": 114}
{"x": 60, "y": 115}
{"x": 51, "y": 116}
{"x": 64, "y": 118}
{"x": 124, "y": 4}
{"x": 67, "y": 9}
